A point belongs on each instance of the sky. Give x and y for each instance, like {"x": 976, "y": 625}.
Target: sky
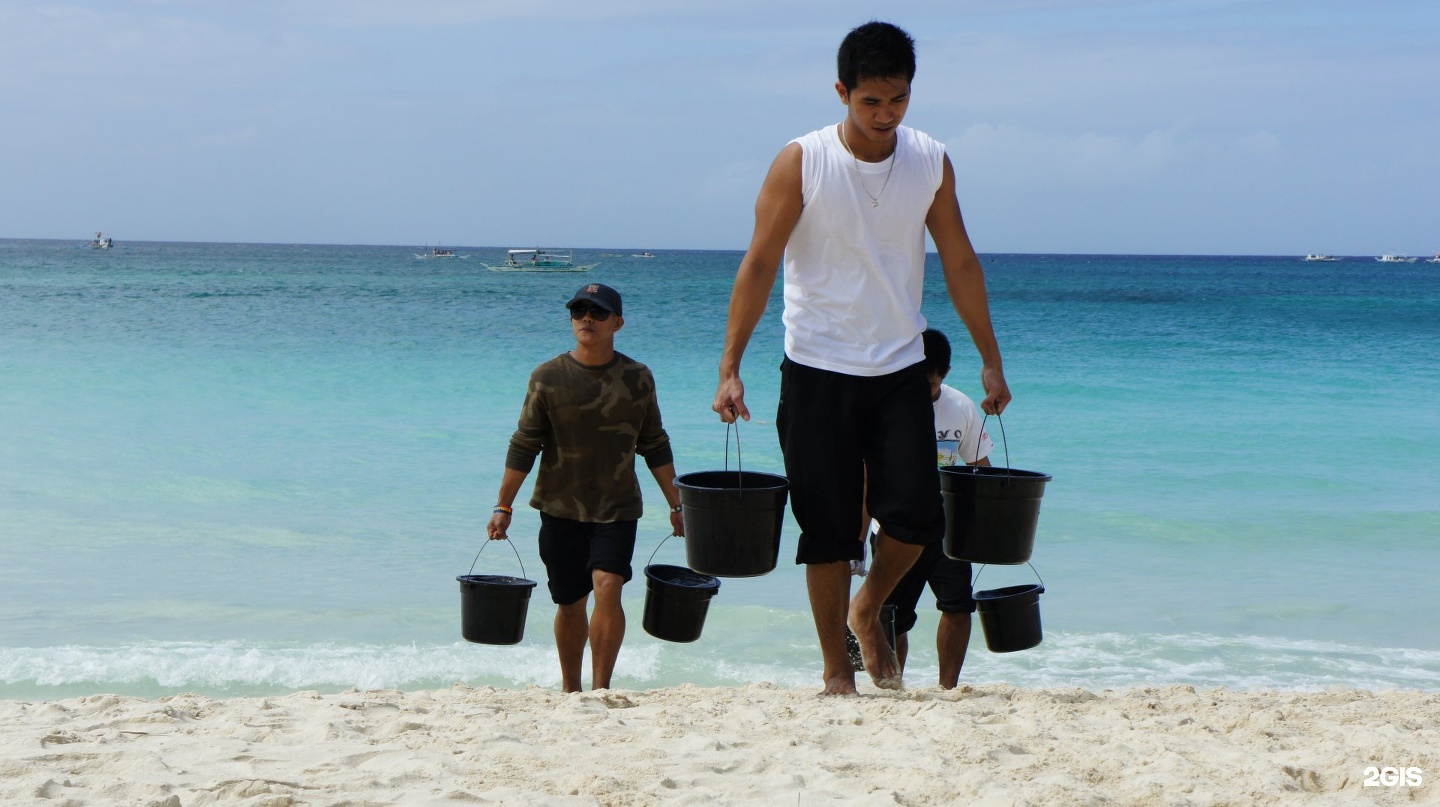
{"x": 1075, "y": 126}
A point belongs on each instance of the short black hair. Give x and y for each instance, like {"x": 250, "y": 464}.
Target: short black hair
{"x": 937, "y": 352}
{"x": 875, "y": 50}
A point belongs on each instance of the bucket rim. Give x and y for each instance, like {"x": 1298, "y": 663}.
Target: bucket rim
{"x": 993, "y": 472}
{"x": 753, "y": 480}
{"x": 495, "y": 581}
{"x": 1009, "y": 592}
{"x": 655, "y": 570}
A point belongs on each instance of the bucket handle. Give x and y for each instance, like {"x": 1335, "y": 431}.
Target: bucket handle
{"x": 1004, "y": 481}
{"x": 512, "y": 549}
{"x": 739, "y": 466}
{"x": 1027, "y": 563}
{"x": 1003, "y": 440}
{"x": 657, "y": 547}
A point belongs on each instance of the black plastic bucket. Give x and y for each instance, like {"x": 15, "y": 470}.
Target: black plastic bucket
{"x": 990, "y": 512}
{"x": 732, "y": 521}
{"x": 676, "y": 600}
{"x": 1010, "y": 617}
{"x": 493, "y": 608}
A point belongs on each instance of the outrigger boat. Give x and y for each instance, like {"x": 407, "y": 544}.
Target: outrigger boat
{"x": 438, "y": 252}
{"x": 540, "y": 260}
{"x": 1390, "y": 257}
{"x": 1320, "y": 256}
{"x": 101, "y": 241}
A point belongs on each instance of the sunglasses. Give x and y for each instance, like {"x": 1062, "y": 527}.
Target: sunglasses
{"x": 596, "y": 313}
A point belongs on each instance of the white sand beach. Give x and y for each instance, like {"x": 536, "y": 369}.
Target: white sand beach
{"x": 760, "y": 744}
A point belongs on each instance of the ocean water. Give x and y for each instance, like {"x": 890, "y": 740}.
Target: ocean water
{"x": 243, "y": 469}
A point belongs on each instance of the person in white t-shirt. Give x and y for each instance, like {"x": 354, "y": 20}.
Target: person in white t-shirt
{"x": 847, "y": 208}
{"x": 960, "y": 439}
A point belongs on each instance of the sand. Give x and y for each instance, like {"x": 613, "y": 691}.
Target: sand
{"x": 760, "y": 744}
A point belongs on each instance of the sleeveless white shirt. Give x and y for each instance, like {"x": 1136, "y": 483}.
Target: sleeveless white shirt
{"x": 854, "y": 272}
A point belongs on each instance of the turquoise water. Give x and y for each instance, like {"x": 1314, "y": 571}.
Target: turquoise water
{"x": 259, "y": 468}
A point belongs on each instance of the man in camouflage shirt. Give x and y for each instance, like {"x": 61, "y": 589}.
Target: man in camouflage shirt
{"x": 587, "y": 413}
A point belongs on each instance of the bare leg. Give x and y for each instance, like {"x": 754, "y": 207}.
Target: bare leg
{"x": 829, "y": 587}
{"x": 892, "y": 560}
{"x": 607, "y": 627}
{"x": 572, "y": 629}
{"x": 902, "y": 649}
{"x": 952, "y": 639}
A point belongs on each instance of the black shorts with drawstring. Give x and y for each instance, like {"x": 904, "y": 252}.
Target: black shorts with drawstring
{"x": 834, "y": 428}
{"x": 572, "y": 549}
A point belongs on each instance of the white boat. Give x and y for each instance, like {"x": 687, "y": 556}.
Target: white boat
{"x": 644, "y": 255}
{"x": 540, "y": 260}
{"x": 1435, "y": 259}
{"x": 439, "y": 252}
{"x": 1392, "y": 258}
{"x": 101, "y": 241}
{"x": 1320, "y": 256}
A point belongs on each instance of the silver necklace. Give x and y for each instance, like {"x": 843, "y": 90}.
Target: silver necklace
{"x": 874, "y": 199}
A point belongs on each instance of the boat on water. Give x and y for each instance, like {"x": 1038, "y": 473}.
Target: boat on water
{"x": 101, "y": 241}
{"x": 644, "y": 255}
{"x": 1320, "y": 256}
{"x": 1435, "y": 259}
{"x": 540, "y": 260}
{"x": 438, "y": 252}
{"x": 1393, "y": 258}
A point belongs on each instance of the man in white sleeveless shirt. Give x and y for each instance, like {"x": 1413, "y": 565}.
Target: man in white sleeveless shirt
{"x": 847, "y": 208}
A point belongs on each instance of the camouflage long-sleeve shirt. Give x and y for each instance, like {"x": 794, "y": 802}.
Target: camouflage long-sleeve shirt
{"x": 587, "y": 424}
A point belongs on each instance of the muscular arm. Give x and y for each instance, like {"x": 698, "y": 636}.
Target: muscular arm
{"x": 776, "y": 211}
{"x": 965, "y": 281}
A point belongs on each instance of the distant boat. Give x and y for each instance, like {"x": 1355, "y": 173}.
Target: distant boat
{"x": 644, "y": 255}
{"x": 439, "y": 252}
{"x": 1320, "y": 256}
{"x": 101, "y": 241}
{"x": 1435, "y": 259}
{"x": 540, "y": 260}
{"x": 1392, "y": 258}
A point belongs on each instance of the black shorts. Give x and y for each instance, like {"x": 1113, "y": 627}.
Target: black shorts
{"x": 949, "y": 581}
{"x": 571, "y": 549}
{"x": 833, "y": 428}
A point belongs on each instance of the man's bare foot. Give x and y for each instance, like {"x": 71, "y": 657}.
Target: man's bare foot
{"x": 879, "y": 657}
{"x": 839, "y": 684}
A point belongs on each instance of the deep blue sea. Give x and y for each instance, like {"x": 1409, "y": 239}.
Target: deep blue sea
{"x": 241, "y": 469}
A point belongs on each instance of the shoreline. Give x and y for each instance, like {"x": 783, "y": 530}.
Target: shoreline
{"x": 977, "y": 744}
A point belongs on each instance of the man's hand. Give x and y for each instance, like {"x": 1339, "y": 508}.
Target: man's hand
{"x": 997, "y": 392}
{"x": 730, "y": 400}
{"x": 498, "y": 527}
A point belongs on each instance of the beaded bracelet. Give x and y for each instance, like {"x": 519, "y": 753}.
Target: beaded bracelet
{"x": 500, "y": 508}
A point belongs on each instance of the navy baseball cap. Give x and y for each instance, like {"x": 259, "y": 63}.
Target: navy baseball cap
{"x": 599, "y": 294}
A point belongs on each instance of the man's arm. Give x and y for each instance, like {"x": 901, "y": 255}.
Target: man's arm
{"x": 777, "y": 209}
{"x": 965, "y": 281}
